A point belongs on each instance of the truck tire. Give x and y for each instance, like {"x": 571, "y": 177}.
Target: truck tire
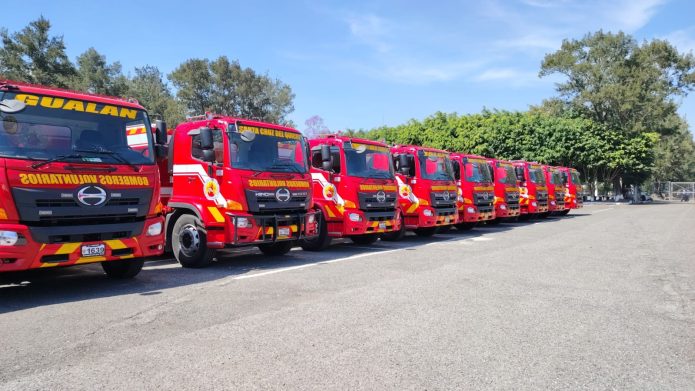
{"x": 126, "y": 268}
{"x": 426, "y": 232}
{"x": 565, "y": 212}
{"x": 395, "y": 236}
{"x": 277, "y": 248}
{"x": 321, "y": 242}
{"x": 189, "y": 243}
{"x": 365, "y": 239}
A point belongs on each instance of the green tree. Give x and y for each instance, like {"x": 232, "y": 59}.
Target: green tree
{"x": 33, "y": 56}
{"x": 615, "y": 81}
{"x": 225, "y": 87}
{"x": 96, "y": 76}
{"x": 149, "y": 88}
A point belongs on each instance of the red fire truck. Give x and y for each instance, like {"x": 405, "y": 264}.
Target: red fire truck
{"x": 235, "y": 182}
{"x": 533, "y": 192}
{"x": 426, "y": 190}
{"x": 573, "y": 189}
{"x": 476, "y": 192}
{"x": 355, "y": 188}
{"x": 79, "y": 181}
{"x": 506, "y": 190}
{"x": 556, "y": 189}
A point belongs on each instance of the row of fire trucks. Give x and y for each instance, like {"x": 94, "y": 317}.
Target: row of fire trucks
{"x": 89, "y": 178}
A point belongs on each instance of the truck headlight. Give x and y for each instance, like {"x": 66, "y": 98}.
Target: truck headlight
{"x": 8, "y": 238}
{"x": 355, "y": 217}
{"x": 242, "y": 222}
{"x": 552, "y": 203}
{"x": 310, "y": 219}
{"x": 470, "y": 209}
{"x": 533, "y": 203}
{"x": 427, "y": 212}
{"x": 503, "y": 207}
{"x": 154, "y": 229}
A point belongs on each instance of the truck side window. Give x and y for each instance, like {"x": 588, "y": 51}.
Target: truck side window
{"x": 316, "y": 161}
{"x": 197, "y": 152}
{"x": 457, "y": 169}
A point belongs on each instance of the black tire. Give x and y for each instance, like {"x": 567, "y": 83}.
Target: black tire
{"x": 189, "y": 242}
{"x": 365, "y": 239}
{"x": 123, "y": 269}
{"x": 277, "y": 248}
{"x": 322, "y": 241}
{"x": 426, "y": 232}
{"x": 395, "y": 236}
{"x": 494, "y": 221}
{"x": 465, "y": 226}
{"x": 543, "y": 215}
{"x": 565, "y": 212}
{"x": 525, "y": 217}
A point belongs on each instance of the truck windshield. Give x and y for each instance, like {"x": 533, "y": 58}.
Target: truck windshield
{"x": 555, "y": 177}
{"x": 576, "y": 180}
{"x": 435, "y": 166}
{"x": 64, "y": 129}
{"x": 368, "y": 161}
{"x": 267, "y": 150}
{"x": 537, "y": 176}
{"x": 506, "y": 174}
{"x": 478, "y": 171}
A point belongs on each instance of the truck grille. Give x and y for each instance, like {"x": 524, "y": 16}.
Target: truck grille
{"x": 512, "y": 198}
{"x": 483, "y": 199}
{"x": 542, "y": 196}
{"x": 68, "y": 202}
{"x": 374, "y": 201}
{"x": 444, "y": 200}
{"x": 266, "y": 201}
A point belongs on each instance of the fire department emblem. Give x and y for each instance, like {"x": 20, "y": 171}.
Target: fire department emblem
{"x": 329, "y": 192}
{"x": 211, "y": 188}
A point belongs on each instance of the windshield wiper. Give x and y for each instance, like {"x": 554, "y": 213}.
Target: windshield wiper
{"x": 56, "y": 159}
{"x": 292, "y": 167}
{"x": 117, "y": 156}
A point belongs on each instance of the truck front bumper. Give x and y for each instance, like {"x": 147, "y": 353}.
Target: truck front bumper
{"x": 359, "y": 222}
{"x": 247, "y": 229}
{"x": 29, "y": 254}
{"x": 474, "y": 214}
{"x": 504, "y": 210}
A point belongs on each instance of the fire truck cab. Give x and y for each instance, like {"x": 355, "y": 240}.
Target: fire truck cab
{"x": 573, "y": 189}
{"x": 355, "y": 188}
{"x": 476, "y": 192}
{"x": 556, "y": 189}
{"x": 79, "y": 180}
{"x": 533, "y": 191}
{"x": 235, "y": 182}
{"x": 426, "y": 190}
{"x": 506, "y": 190}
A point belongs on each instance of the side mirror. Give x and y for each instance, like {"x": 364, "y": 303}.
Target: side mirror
{"x": 160, "y": 132}
{"x": 206, "y": 141}
{"x": 404, "y": 164}
{"x": 161, "y": 151}
{"x": 326, "y": 158}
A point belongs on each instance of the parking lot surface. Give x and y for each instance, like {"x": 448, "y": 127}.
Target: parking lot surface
{"x": 603, "y": 298}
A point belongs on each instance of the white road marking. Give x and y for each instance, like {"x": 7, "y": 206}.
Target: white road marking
{"x": 600, "y": 210}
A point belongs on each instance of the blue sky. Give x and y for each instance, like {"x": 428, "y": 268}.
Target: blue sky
{"x": 364, "y": 64}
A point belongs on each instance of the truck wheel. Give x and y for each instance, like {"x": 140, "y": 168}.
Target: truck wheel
{"x": 395, "y": 236}
{"x": 543, "y": 215}
{"x": 126, "y": 268}
{"x": 426, "y": 232}
{"x": 321, "y": 242}
{"x": 364, "y": 239}
{"x": 277, "y": 248}
{"x": 565, "y": 212}
{"x": 464, "y": 226}
{"x": 494, "y": 221}
{"x": 189, "y": 243}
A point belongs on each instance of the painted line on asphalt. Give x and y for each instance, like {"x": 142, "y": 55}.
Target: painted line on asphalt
{"x": 600, "y": 210}
{"x": 291, "y": 268}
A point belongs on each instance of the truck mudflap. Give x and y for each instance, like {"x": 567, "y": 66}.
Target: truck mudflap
{"x": 270, "y": 228}
{"x": 29, "y": 254}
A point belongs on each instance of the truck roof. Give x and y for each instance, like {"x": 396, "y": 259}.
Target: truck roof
{"x": 457, "y": 154}
{"x": 419, "y": 147}
{"x": 11, "y": 85}
{"x": 230, "y": 119}
{"x": 351, "y": 139}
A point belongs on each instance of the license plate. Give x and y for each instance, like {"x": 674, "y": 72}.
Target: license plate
{"x": 93, "y": 250}
{"x": 382, "y": 225}
{"x": 283, "y": 232}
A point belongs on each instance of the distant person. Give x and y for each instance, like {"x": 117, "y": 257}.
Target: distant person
{"x": 17, "y": 134}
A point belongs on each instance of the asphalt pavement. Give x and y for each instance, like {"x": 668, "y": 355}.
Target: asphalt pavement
{"x": 603, "y": 298}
